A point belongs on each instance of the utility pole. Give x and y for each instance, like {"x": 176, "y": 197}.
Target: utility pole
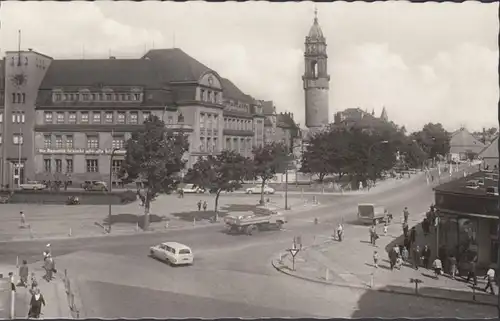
{"x": 19, "y": 152}
{"x": 110, "y": 186}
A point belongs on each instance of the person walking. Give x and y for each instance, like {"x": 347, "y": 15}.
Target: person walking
{"x": 490, "y": 278}
{"x": 392, "y": 258}
{"x": 453, "y": 267}
{"x": 23, "y": 274}
{"x": 34, "y": 283}
{"x": 472, "y": 272}
{"x": 437, "y": 265}
{"x": 406, "y": 214}
{"x": 375, "y": 259}
{"x": 23, "y": 219}
{"x": 416, "y": 257}
{"x": 405, "y": 229}
{"x": 340, "y": 232}
{"x": 373, "y": 235}
{"x": 199, "y": 205}
{"x": 405, "y": 254}
{"x": 36, "y": 302}
{"x": 49, "y": 266}
{"x": 205, "y": 206}
{"x": 426, "y": 255}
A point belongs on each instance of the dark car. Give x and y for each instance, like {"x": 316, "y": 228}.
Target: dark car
{"x": 95, "y": 186}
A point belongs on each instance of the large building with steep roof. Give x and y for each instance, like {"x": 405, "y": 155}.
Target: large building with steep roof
{"x": 463, "y": 144}
{"x": 61, "y": 119}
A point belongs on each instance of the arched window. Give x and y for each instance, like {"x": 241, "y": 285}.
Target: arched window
{"x": 24, "y": 97}
{"x": 314, "y": 69}
{"x": 14, "y": 98}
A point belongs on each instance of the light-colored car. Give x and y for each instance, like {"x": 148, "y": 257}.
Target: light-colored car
{"x": 192, "y": 188}
{"x": 372, "y": 214}
{"x": 173, "y": 253}
{"x": 258, "y": 189}
{"x": 33, "y": 185}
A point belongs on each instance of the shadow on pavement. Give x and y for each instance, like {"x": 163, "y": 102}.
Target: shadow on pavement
{"x": 207, "y": 215}
{"x": 400, "y": 301}
{"x": 133, "y": 219}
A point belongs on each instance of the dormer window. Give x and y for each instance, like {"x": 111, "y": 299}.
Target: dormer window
{"x": 57, "y": 97}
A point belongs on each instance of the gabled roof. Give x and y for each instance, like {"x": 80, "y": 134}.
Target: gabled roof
{"x": 92, "y": 73}
{"x": 175, "y": 65}
{"x": 232, "y": 92}
{"x": 285, "y": 121}
{"x": 491, "y": 151}
{"x": 463, "y": 141}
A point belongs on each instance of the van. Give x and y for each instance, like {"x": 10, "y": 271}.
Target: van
{"x": 371, "y": 214}
{"x": 173, "y": 253}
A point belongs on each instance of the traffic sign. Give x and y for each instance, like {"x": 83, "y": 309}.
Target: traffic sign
{"x": 293, "y": 252}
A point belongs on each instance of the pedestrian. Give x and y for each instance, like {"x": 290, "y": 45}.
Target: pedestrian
{"x": 385, "y": 228}
{"x": 392, "y": 258}
{"x": 375, "y": 259}
{"x": 405, "y": 254}
{"x": 407, "y": 243}
{"x": 405, "y": 229}
{"x": 426, "y": 255}
{"x": 36, "y": 305}
{"x": 49, "y": 267}
{"x": 416, "y": 257}
{"x": 406, "y": 214}
{"x": 373, "y": 233}
{"x": 437, "y": 265}
{"x": 453, "y": 267}
{"x": 23, "y": 219}
{"x": 23, "y": 274}
{"x": 34, "y": 283}
{"x": 472, "y": 272}
{"x": 199, "y": 205}
{"x": 413, "y": 235}
{"x": 490, "y": 277}
{"x": 205, "y": 206}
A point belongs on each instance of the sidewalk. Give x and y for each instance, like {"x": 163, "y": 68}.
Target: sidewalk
{"x": 53, "y": 292}
{"x": 350, "y": 264}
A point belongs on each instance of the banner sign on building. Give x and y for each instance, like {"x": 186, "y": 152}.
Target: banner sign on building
{"x": 85, "y": 151}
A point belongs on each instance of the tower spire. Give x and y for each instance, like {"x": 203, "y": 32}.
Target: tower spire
{"x": 19, "y": 47}
{"x": 315, "y": 14}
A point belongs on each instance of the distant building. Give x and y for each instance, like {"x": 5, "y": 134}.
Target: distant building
{"x": 60, "y": 120}
{"x": 278, "y": 127}
{"x": 463, "y": 144}
{"x": 358, "y": 118}
{"x": 316, "y": 79}
{"x": 489, "y": 155}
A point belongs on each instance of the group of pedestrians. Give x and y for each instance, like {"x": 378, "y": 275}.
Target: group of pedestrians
{"x": 204, "y": 204}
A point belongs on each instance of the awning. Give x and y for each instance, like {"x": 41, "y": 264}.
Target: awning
{"x": 456, "y": 213}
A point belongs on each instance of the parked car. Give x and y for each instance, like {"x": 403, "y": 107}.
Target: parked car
{"x": 33, "y": 185}
{"x": 173, "y": 253}
{"x": 192, "y": 188}
{"x": 258, "y": 189}
{"x": 95, "y": 186}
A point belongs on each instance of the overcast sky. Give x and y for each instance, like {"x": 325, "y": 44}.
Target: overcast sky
{"x": 424, "y": 62}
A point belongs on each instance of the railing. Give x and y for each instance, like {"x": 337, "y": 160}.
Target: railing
{"x": 71, "y": 296}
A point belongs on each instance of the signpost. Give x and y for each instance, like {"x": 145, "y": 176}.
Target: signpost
{"x": 293, "y": 252}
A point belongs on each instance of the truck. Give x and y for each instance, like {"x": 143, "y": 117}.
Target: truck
{"x": 262, "y": 218}
{"x": 372, "y": 214}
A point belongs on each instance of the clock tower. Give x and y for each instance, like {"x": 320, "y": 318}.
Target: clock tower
{"x": 316, "y": 79}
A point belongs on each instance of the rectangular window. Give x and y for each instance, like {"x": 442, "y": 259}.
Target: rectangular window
{"x": 60, "y": 118}
{"x": 47, "y": 141}
{"x": 209, "y": 121}
{"x": 57, "y": 97}
{"x": 96, "y": 117}
{"x": 92, "y": 166}
{"x": 47, "y": 165}
{"x": 228, "y": 143}
{"x": 69, "y": 141}
{"x": 137, "y": 97}
{"x": 109, "y": 117}
{"x": 202, "y": 95}
{"x": 85, "y": 97}
{"x": 202, "y": 144}
{"x": 72, "y": 117}
{"x": 58, "y": 165}
{"x": 209, "y": 144}
{"x": 118, "y": 142}
{"x": 1, "y": 118}
{"x": 121, "y": 118}
{"x": 69, "y": 166}
{"x": 117, "y": 165}
{"x": 92, "y": 142}
{"x": 17, "y": 139}
{"x": 202, "y": 120}
{"x": 48, "y": 117}
{"x": 214, "y": 148}
{"x": 59, "y": 142}
{"x": 133, "y": 117}
{"x": 145, "y": 115}
{"x": 170, "y": 120}
{"x": 84, "y": 117}
{"x": 216, "y": 122}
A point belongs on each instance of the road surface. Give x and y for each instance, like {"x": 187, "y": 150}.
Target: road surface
{"x": 232, "y": 275}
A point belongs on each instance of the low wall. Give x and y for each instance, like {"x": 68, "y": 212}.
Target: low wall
{"x": 60, "y": 197}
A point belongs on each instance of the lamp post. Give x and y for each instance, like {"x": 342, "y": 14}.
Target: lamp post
{"x": 110, "y": 187}
{"x": 373, "y": 145}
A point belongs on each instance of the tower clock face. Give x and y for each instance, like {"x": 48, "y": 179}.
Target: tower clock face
{"x": 19, "y": 80}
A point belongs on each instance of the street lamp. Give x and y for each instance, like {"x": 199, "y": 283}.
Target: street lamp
{"x": 110, "y": 186}
{"x": 373, "y": 145}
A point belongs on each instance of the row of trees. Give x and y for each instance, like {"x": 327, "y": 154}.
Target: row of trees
{"x": 366, "y": 153}
{"x": 155, "y": 156}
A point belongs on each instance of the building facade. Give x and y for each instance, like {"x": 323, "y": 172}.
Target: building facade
{"x": 68, "y": 120}
{"x": 316, "y": 79}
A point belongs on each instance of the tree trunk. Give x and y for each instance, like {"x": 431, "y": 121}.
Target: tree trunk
{"x": 147, "y": 204}
{"x": 262, "y": 192}
{"x": 321, "y": 177}
{"x": 217, "y": 204}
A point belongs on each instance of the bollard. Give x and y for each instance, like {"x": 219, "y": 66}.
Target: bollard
{"x": 12, "y": 312}
{"x": 327, "y": 274}
{"x": 70, "y": 232}
{"x": 137, "y": 227}
{"x": 194, "y": 221}
{"x": 371, "y": 280}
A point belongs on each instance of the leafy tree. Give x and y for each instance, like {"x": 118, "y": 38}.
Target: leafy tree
{"x": 224, "y": 172}
{"x": 154, "y": 155}
{"x": 268, "y": 160}
{"x": 433, "y": 139}
{"x": 414, "y": 155}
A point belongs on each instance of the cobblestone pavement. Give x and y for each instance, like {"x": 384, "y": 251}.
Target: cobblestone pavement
{"x": 350, "y": 263}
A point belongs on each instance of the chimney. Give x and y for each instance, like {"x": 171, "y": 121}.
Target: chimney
{"x": 112, "y": 57}
{"x": 30, "y": 49}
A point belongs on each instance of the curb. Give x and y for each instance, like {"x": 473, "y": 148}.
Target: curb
{"x": 366, "y": 288}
